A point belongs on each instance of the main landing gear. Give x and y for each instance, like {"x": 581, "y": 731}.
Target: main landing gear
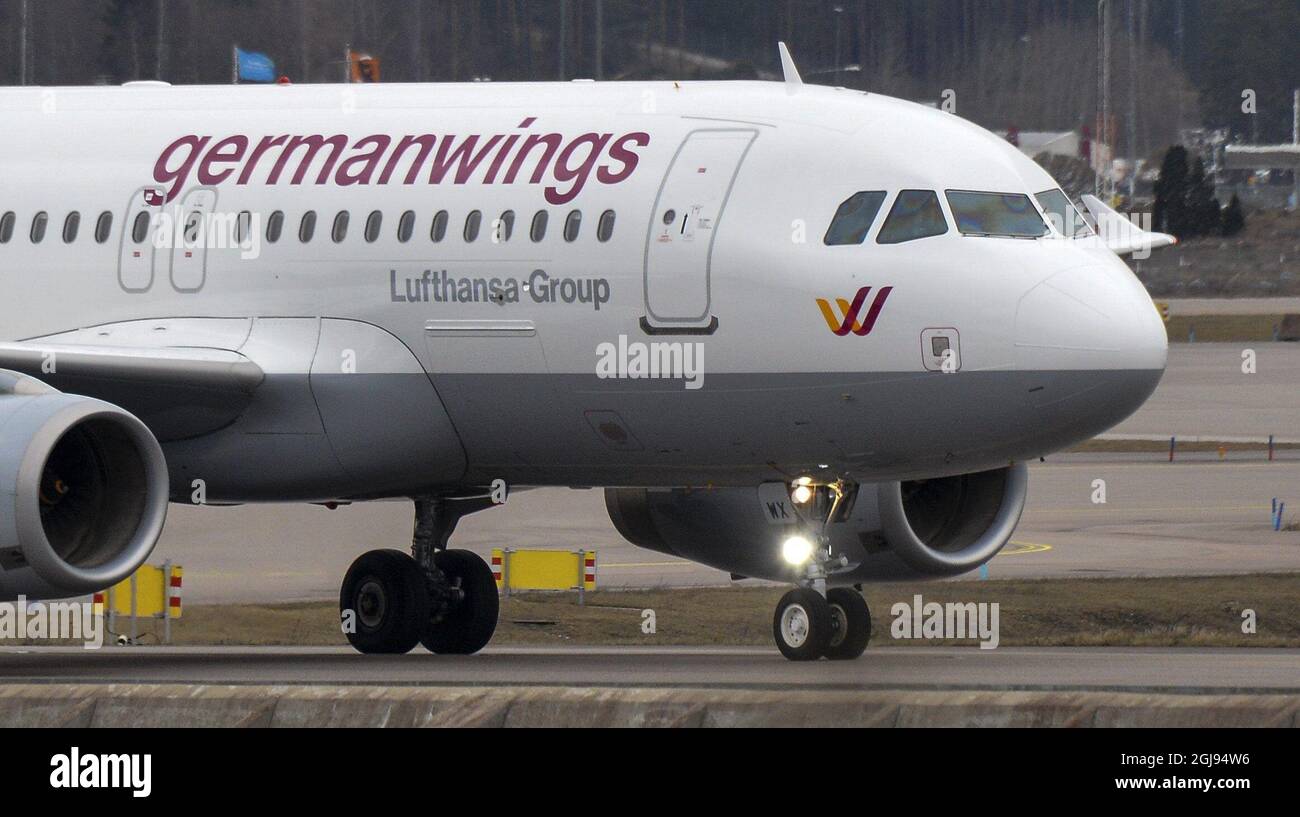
{"x": 441, "y": 598}
{"x": 811, "y": 621}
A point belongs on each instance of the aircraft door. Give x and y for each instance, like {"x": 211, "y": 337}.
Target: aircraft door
{"x": 189, "y": 256}
{"x": 683, "y": 229}
{"x": 138, "y": 252}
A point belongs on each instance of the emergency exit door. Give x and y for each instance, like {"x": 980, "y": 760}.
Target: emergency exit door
{"x": 190, "y": 254}
{"x": 137, "y": 253}
{"x": 688, "y": 213}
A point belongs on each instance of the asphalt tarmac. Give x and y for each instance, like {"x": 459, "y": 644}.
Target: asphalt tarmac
{"x": 1186, "y": 670}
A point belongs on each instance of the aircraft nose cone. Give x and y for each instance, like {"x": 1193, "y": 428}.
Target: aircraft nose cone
{"x": 1090, "y": 318}
{"x": 1095, "y": 343}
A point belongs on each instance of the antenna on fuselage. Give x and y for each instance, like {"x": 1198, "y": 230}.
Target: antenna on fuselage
{"x": 793, "y": 81}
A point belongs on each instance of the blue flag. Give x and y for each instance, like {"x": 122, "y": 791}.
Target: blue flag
{"x": 254, "y": 67}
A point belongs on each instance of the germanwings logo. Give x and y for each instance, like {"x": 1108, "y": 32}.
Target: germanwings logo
{"x": 853, "y": 310}
{"x": 561, "y": 163}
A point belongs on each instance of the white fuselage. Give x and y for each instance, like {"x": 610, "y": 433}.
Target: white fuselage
{"x": 1055, "y": 339}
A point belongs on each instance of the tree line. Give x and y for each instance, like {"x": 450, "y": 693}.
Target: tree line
{"x": 1028, "y": 64}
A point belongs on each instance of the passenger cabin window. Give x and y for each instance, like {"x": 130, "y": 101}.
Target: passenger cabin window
{"x": 406, "y": 226}
{"x": 140, "y": 227}
{"x": 373, "y": 225}
{"x": 853, "y": 220}
{"x": 573, "y": 226}
{"x": 103, "y": 227}
{"x": 473, "y": 222}
{"x": 1008, "y": 215}
{"x": 39, "y": 222}
{"x": 340, "y": 230}
{"x": 307, "y": 227}
{"x": 503, "y": 227}
{"x": 438, "y": 230}
{"x": 70, "y": 226}
{"x": 274, "y": 227}
{"x": 1065, "y": 217}
{"x": 243, "y": 225}
{"x": 7, "y": 227}
{"x": 605, "y": 227}
{"x": 915, "y": 214}
{"x": 538, "y": 230}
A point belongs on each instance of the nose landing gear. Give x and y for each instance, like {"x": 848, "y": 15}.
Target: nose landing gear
{"x": 441, "y": 598}
{"x": 811, "y": 621}
{"x": 802, "y": 625}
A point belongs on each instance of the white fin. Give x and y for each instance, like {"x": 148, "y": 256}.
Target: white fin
{"x": 792, "y": 79}
{"x": 1120, "y": 235}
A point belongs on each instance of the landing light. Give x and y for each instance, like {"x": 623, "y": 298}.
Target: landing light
{"x": 802, "y": 492}
{"x": 796, "y": 550}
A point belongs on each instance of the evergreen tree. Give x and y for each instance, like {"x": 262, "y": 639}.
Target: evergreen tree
{"x": 1234, "y": 219}
{"x": 1169, "y": 214}
{"x": 1203, "y": 214}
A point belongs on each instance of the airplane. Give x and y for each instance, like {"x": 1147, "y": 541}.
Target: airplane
{"x": 803, "y": 334}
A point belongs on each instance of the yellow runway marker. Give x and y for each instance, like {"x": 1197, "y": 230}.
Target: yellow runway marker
{"x": 1021, "y": 548}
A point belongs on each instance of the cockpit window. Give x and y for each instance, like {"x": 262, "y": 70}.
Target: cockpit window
{"x": 853, "y": 220}
{"x": 915, "y": 214}
{"x": 1065, "y": 217}
{"x": 996, "y": 214}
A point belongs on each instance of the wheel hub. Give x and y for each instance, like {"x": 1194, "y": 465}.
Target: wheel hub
{"x": 794, "y": 625}
{"x": 371, "y": 603}
{"x": 839, "y": 625}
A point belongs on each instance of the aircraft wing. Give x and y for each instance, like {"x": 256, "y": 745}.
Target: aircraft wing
{"x": 1120, "y": 235}
{"x": 178, "y": 391}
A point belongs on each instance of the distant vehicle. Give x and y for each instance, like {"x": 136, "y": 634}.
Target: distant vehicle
{"x": 797, "y": 333}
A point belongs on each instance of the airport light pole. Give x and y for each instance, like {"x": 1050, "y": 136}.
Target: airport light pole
{"x": 600, "y": 40}
{"x": 22, "y": 43}
{"x": 302, "y": 42}
{"x": 162, "y": 19}
{"x": 839, "y": 15}
{"x": 1132, "y": 101}
{"x": 564, "y": 33}
{"x": 1103, "y": 88}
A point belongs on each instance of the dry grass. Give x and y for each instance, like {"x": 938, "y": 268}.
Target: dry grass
{"x": 1051, "y": 612}
{"x": 1099, "y": 446}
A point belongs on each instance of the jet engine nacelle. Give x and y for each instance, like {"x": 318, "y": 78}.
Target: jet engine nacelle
{"x": 894, "y": 530}
{"x": 83, "y": 492}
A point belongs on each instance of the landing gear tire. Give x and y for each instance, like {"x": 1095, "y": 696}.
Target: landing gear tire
{"x": 850, "y": 624}
{"x": 385, "y": 599}
{"x": 467, "y": 626}
{"x": 802, "y": 625}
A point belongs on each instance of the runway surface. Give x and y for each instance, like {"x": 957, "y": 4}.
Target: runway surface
{"x": 1195, "y": 516}
{"x": 1109, "y": 669}
{"x": 1231, "y": 306}
{"x": 1159, "y": 519}
{"x": 1204, "y": 393}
